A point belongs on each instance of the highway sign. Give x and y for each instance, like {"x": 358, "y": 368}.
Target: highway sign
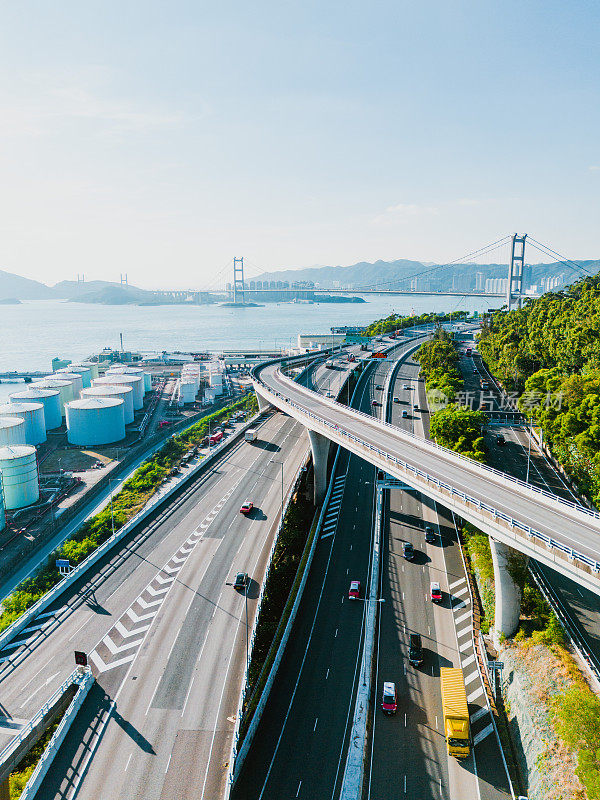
{"x": 62, "y": 563}
{"x": 496, "y": 664}
{"x": 379, "y": 355}
{"x": 80, "y": 658}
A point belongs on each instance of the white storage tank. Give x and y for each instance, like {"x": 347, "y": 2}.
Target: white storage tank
{"x": 12, "y": 431}
{"x": 33, "y": 416}
{"x": 49, "y": 398}
{"x": 95, "y": 420}
{"x": 75, "y": 379}
{"x": 2, "y": 514}
{"x": 187, "y": 392}
{"x": 18, "y": 466}
{"x": 123, "y": 370}
{"x": 147, "y": 381}
{"x": 136, "y": 383}
{"x": 79, "y": 369}
{"x": 122, "y": 392}
{"x": 64, "y": 388}
{"x": 91, "y": 365}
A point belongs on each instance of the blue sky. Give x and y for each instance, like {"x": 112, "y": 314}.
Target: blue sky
{"x": 162, "y": 139}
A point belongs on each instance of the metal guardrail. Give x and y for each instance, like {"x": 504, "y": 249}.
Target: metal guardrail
{"x": 512, "y": 523}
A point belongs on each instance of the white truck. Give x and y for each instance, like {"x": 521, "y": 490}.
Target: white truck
{"x": 250, "y": 435}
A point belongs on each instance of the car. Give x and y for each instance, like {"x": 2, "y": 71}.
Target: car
{"x": 374, "y": 403}
{"x": 354, "y": 591}
{"x": 388, "y": 700}
{"x": 500, "y": 440}
{"x": 246, "y": 507}
{"x": 407, "y": 386}
{"x": 330, "y": 394}
{"x": 241, "y": 580}
{"x": 408, "y": 551}
{"x": 396, "y": 399}
{"x": 415, "y": 650}
{"x": 430, "y": 536}
{"x": 405, "y": 414}
{"x": 416, "y": 406}
{"x": 379, "y": 386}
{"x": 436, "y": 592}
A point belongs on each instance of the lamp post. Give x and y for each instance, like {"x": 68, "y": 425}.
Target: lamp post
{"x": 528, "y": 451}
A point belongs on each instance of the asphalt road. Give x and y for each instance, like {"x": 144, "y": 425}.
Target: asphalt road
{"x": 408, "y": 755}
{"x": 301, "y": 743}
{"x": 167, "y": 637}
{"x": 564, "y": 524}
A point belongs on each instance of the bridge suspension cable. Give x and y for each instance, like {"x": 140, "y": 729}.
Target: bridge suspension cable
{"x": 548, "y": 251}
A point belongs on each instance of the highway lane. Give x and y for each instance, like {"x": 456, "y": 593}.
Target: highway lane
{"x": 562, "y": 523}
{"x": 301, "y": 743}
{"x": 160, "y": 721}
{"x": 408, "y": 751}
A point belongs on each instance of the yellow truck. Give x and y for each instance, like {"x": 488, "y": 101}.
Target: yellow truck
{"x": 456, "y": 712}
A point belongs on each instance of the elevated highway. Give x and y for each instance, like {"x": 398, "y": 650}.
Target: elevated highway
{"x": 560, "y": 534}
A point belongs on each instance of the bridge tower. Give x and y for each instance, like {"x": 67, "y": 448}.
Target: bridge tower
{"x": 238, "y": 280}
{"x": 514, "y": 289}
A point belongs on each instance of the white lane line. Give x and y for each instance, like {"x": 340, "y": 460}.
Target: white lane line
{"x": 464, "y": 590}
{"x": 474, "y": 695}
{"x": 467, "y": 662}
{"x": 479, "y": 737}
{"x": 463, "y": 632}
{"x": 462, "y": 617}
{"x": 135, "y": 618}
{"x": 454, "y": 584}
{"x": 478, "y": 714}
{"x": 327, "y": 535}
{"x": 128, "y": 760}
{"x": 470, "y": 678}
{"x": 298, "y": 790}
{"x": 125, "y": 633}
{"x": 315, "y": 725}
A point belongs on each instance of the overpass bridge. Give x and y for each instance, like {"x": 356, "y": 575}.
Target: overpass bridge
{"x": 563, "y": 535}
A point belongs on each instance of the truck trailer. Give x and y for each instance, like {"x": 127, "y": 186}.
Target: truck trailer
{"x": 456, "y": 712}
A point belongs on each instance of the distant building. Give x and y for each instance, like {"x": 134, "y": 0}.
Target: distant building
{"x": 496, "y": 285}
{"x": 479, "y": 281}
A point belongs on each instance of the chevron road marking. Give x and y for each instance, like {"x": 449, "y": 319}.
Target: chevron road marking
{"x": 102, "y": 667}
{"x": 155, "y": 592}
{"x": 135, "y": 618}
{"x": 114, "y": 649}
{"x": 125, "y": 633}
{"x": 162, "y": 579}
{"x": 456, "y": 583}
{"x": 482, "y": 734}
{"x": 151, "y": 604}
{"x": 474, "y": 695}
{"x": 478, "y": 714}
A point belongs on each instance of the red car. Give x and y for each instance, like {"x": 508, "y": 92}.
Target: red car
{"x": 246, "y": 507}
{"x": 436, "y": 592}
{"x": 354, "y": 593}
{"x": 388, "y": 701}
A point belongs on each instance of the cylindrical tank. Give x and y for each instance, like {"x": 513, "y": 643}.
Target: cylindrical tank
{"x": 121, "y": 370}
{"x": 75, "y": 379}
{"x": 78, "y": 369}
{"x": 33, "y": 416}
{"x": 64, "y": 388}
{"x": 187, "y": 392}
{"x": 12, "y": 431}
{"x": 49, "y": 398}
{"x": 91, "y": 365}
{"x": 122, "y": 392}
{"x": 95, "y": 420}
{"x": 18, "y": 466}
{"x": 136, "y": 383}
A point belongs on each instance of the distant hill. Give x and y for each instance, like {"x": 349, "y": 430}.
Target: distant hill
{"x": 113, "y": 295}
{"x": 16, "y": 287}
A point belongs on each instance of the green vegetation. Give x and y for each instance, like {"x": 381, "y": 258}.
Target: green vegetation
{"x": 396, "y": 322}
{"x": 439, "y": 359}
{"x": 576, "y": 716}
{"x": 460, "y": 429}
{"x": 133, "y": 496}
{"x": 550, "y": 350}
{"x": 18, "y": 779}
{"x": 478, "y": 547}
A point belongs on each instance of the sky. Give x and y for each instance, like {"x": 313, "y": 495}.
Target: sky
{"x": 163, "y": 139}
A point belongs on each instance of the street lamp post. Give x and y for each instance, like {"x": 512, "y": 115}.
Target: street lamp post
{"x": 528, "y": 452}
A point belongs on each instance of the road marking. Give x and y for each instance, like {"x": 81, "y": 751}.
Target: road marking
{"x": 463, "y": 617}
{"x": 115, "y": 650}
{"x": 327, "y": 675}
{"x": 298, "y": 790}
{"x": 125, "y": 633}
{"x": 464, "y": 590}
{"x": 315, "y": 725}
{"x": 479, "y": 737}
{"x": 128, "y": 760}
{"x": 462, "y": 604}
{"x": 470, "y": 678}
{"x": 135, "y": 618}
{"x": 479, "y": 713}
{"x": 155, "y": 592}
{"x": 327, "y": 535}
{"x": 456, "y": 583}
{"x": 145, "y": 604}
{"x": 474, "y": 695}
{"x": 463, "y": 632}
{"x": 102, "y": 667}
{"x": 468, "y": 661}
{"x": 436, "y": 722}
{"x": 336, "y": 631}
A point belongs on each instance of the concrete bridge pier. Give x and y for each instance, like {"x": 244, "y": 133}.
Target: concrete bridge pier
{"x": 509, "y": 573}
{"x": 263, "y": 404}
{"x": 319, "y": 445}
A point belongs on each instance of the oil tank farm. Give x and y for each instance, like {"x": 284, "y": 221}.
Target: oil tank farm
{"x": 145, "y": 376}
{"x": 91, "y": 365}
{"x": 187, "y": 392}
{"x": 95, "y": 421}
{"x": 19, "y": 470}
{"x": 65, "y": 389}
{"x": 12, "y": 431}
{"x": 49, "y": 398}
{"x": 122, "y": 392}
{"x": 136, "y": 383}
{"x": 78, "y": 369}
{"x": 2, "y": 514}
{"x": 75, "y": 379}
{"x": 33, "y": 416}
